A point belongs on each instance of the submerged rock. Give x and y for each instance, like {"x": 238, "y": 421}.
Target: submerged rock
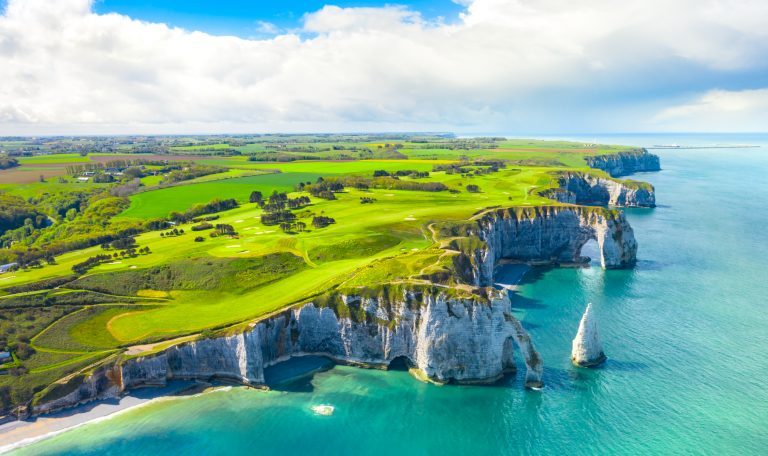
{"x": 587, "y": 349}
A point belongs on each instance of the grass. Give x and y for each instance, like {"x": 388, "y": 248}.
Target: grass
{"x": 159, "y": 203}
{"x": 82, "y": 331}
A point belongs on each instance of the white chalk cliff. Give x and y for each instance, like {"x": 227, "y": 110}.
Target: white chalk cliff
{"x": 587, "y": 350}
{"x": 448, "y": 338}
{"x": 553, "y": 235}
{"x": 586, "y": 189}
{"x": 625, "y": 163}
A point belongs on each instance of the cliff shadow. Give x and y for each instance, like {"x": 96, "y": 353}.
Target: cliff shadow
{"x": 522, "y": 302}
{"x": 535, "y": 274}
{"x": 295, "y": 375}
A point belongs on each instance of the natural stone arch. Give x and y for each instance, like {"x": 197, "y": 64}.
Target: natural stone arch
{"x": 551, "y": 235}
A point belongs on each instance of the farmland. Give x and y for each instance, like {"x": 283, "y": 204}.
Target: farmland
{"x": 156, "y": 277}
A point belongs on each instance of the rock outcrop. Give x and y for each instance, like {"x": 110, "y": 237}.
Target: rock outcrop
{"x": 447, "y": 337}
{"x": 552, "y": 235}
{"x": 585, "y": 189}
{"x": 587, "y": 350}
{"x": 625, "y": 163}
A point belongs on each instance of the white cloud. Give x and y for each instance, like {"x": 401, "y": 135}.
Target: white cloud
{"x": 507, "y": 65}
{"x": 718, "y": 110}
{"x": 267, "y": 28}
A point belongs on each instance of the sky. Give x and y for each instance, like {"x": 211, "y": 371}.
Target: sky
{"x": 466, "y": 66}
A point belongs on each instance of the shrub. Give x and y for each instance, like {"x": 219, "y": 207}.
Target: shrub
{"x": 202, "y": 227}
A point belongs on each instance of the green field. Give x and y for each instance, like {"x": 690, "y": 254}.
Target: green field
{"x": 184, "y": 287}
{"x": 159, "y": 203}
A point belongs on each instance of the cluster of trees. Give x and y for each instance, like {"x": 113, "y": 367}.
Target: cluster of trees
{"x": 479, "y": 167}
{"x": 197, "y": 210}
{"x": 472, "y": 188}
{"x": 132, "y": 252}
{"x": 277, "y": 216}
{"x": 412, "y": 173}
{"x": 82, "y": 268}
{"x": 224, "y": 229}
{"x": 321, "y": 221}
{"x": 460, "y": 144}
{"x": 173, "y": 232}
{"x": 387, "y": 183}
{"x": 292, "y": 227}
{"x": 298, "y": 203}
{"x": 7, "y": 162}
{"x": 207, "y": 218}
{"x": 16, "y": 212}
{"x": 277, "y": 209}
{"x": 77, "y": 220}
{"x": 280, "y": 157}
{"x": 323, "y": 188}
{"x": 191, "y": 172}
{"x": 202, "y": 227}
{"x": 122, "y": 243}
{"x": 367, "y": 200}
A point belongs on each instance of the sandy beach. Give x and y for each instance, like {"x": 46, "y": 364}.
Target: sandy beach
{"x": 16, "y": 434}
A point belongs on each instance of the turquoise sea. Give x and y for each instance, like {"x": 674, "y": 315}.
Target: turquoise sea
{"x": 686, "y": 333}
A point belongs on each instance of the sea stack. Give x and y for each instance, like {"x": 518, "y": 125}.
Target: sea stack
{"x": 587, "y": 350}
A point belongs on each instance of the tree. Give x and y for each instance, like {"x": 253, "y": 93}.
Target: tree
{"x": 199, "y": 239}
{"x": 257, "y": 197}
{"x": 301, "y": 226}
{"x": 472, "y": 188}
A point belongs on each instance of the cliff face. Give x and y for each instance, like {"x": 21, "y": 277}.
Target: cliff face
{"x": 625, "y": 163}
{"x": 551, "y": 235}
{"x": 447, "y": 338}
{"x": 103, "y": 383}
{"x": 580, "y": 188}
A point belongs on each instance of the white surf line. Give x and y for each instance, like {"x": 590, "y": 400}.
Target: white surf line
{"x": 23, "y": 433}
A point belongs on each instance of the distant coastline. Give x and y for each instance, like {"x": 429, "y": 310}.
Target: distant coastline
{"x": 674, "y": 147}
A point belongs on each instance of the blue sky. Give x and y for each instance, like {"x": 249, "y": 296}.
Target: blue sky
{"x": 474, "y": 66}
{"x": 241, "y": 17}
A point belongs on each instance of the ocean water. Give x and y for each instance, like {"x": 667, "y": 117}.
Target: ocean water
{"x": 686, "y": 333}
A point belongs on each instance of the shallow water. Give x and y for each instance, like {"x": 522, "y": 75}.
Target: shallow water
{"x": 685, "y": 333}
